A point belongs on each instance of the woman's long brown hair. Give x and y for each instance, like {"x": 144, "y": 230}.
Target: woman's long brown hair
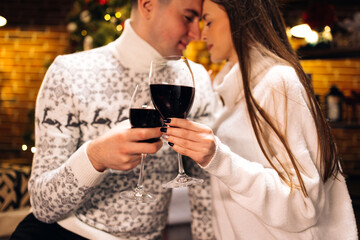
{"x": 259, "y": 23}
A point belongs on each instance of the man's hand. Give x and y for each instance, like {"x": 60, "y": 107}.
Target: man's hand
{"x": 120, "y": 148}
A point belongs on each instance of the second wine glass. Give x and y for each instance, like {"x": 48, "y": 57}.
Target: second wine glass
{"x": 172, "y": 90}
{"x": 142, "y": 114}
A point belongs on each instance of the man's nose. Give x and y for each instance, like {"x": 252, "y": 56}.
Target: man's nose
{"x": 194, "y": 31}
{"x": 203, "y": 35}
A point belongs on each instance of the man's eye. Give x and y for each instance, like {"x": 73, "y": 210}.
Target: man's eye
{"x": 189, "y": 19}
{"x": 208, "y": 24}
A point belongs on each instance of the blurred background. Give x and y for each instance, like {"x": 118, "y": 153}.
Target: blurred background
{"x": 325, "y": 34}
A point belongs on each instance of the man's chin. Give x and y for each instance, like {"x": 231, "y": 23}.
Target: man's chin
{"x": 174, "y": 53}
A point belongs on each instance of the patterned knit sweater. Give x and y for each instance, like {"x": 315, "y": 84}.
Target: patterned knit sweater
{"x": 83, "y": 96}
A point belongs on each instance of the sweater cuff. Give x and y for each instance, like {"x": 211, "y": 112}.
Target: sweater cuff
{"x": 214, "y": 162}
{"x": 83, "y": 169}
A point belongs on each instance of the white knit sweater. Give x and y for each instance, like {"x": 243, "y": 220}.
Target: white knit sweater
{"x": 250, "y": 201}
{"x": 83, "y": 96}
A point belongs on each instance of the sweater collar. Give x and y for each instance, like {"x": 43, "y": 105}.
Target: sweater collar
{"x": 132, "y": 51}
{"x": 228, "y": 83}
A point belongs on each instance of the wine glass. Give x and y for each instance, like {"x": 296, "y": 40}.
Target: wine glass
{"x": 142, "y": 114}
{"x": 172, "y": 92}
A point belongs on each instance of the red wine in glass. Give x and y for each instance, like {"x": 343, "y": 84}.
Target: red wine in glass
{"x": 172, "y": 90}
{"x": 172, "y": 100}
{"x": 145, "y": 118}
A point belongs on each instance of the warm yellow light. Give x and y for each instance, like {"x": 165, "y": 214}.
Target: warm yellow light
{"x": 326, "y": 35}
{"x": 33, "y": 149}
{"x": 119, "y": 27}
{"x": 24, "y": 147}
{"x": 107, "y": 17}
{"x": 301, "y": 31}
{"x": 3, "y": 21}
{"x": 118, "y": 14}
{"x": 312, "y": 37}
{"x": 83, "y": 32}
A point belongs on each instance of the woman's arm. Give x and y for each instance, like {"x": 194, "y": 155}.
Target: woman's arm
{"x": 255, "y": 186}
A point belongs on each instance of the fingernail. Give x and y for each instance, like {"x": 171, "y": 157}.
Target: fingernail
{"x": 167, "y": 120}
{"x": 171, "y": 144}
{"x": 165, "y": 136}
{"x": 163, "y": 130}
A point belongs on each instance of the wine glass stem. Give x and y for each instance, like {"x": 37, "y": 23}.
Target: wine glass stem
{"x": 141, "y": 178}
{"x": 181, "y": 166}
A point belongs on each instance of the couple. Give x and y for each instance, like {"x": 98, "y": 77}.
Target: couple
{"x": 273, "y": 164}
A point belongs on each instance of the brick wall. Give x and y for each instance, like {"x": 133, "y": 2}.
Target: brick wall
{"x": 345, "y": 74}
{"x": 25, "y": 54}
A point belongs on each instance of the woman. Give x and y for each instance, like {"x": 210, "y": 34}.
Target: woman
{"x": 275, "y": 170}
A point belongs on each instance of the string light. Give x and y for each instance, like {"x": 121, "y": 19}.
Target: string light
{"x": 3, "y": 21}
{"x": 118, "y": 14}
{"x": 83, "y": 32}
{"x": 119, "y": 27}
{"x": 33, "y": 149}
{"x": 107, "y": 17}
{"x": 24, "y": 147}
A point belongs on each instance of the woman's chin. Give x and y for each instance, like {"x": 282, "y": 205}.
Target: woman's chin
{"x": 215, "y": 59}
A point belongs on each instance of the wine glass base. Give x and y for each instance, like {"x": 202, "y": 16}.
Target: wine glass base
{"x": 137, "y": 195}
{"x": 182, "y": 180}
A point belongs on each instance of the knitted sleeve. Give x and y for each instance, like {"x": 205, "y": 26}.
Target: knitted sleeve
{"x": 62, "y": 176}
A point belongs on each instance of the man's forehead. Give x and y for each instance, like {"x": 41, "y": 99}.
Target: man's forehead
{"x": 191, "y": 6}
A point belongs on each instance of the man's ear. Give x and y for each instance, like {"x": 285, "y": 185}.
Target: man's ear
{"x": 146, "y": 7}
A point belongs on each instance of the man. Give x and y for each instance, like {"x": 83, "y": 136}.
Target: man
{"x": 85, "y": 154}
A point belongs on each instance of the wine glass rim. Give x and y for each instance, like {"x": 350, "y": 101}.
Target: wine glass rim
{"x": 159, "y": 63}
{"x": 169, "y": 58}
{"x": 146, "y": 105}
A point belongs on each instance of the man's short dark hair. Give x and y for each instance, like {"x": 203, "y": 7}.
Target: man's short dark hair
{"x": 134, "y": 3}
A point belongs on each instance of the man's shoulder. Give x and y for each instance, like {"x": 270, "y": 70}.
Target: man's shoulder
{"x": 196, "y": 66}
{"x": 97, "y": 56}
{"x": 198, "y": 69}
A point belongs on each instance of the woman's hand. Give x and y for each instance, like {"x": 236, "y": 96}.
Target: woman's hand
{"x": 191, "y": 139}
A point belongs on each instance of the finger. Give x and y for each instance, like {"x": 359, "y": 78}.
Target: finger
{"x": 187, "y": 124}
{"x": 183, "y": 133}
{"x": 143, "y": 147}
{"x": 200, "y": 154}
{"x": 142, "y": 134}
{"x": 193, "y": 154}
{"x": 124, "y": 162}
{"x": 185, "y": 143}
{"x": 202, "y": 143}
{"x": 205, "y": 137}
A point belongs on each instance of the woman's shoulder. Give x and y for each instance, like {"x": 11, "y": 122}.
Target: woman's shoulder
{"x": 279, "y": 74}
{"x": 283, "y": 82}
{"x": 281, "y": 78}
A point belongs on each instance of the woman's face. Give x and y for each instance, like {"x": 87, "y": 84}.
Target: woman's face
{"x": 217, "y": 34}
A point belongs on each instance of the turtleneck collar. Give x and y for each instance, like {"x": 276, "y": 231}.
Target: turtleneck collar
{"x": 132, "y": 51}
{"x": 228, "y": 83}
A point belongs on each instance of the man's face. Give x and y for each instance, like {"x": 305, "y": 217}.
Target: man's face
{"x": 174, "y": 25}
